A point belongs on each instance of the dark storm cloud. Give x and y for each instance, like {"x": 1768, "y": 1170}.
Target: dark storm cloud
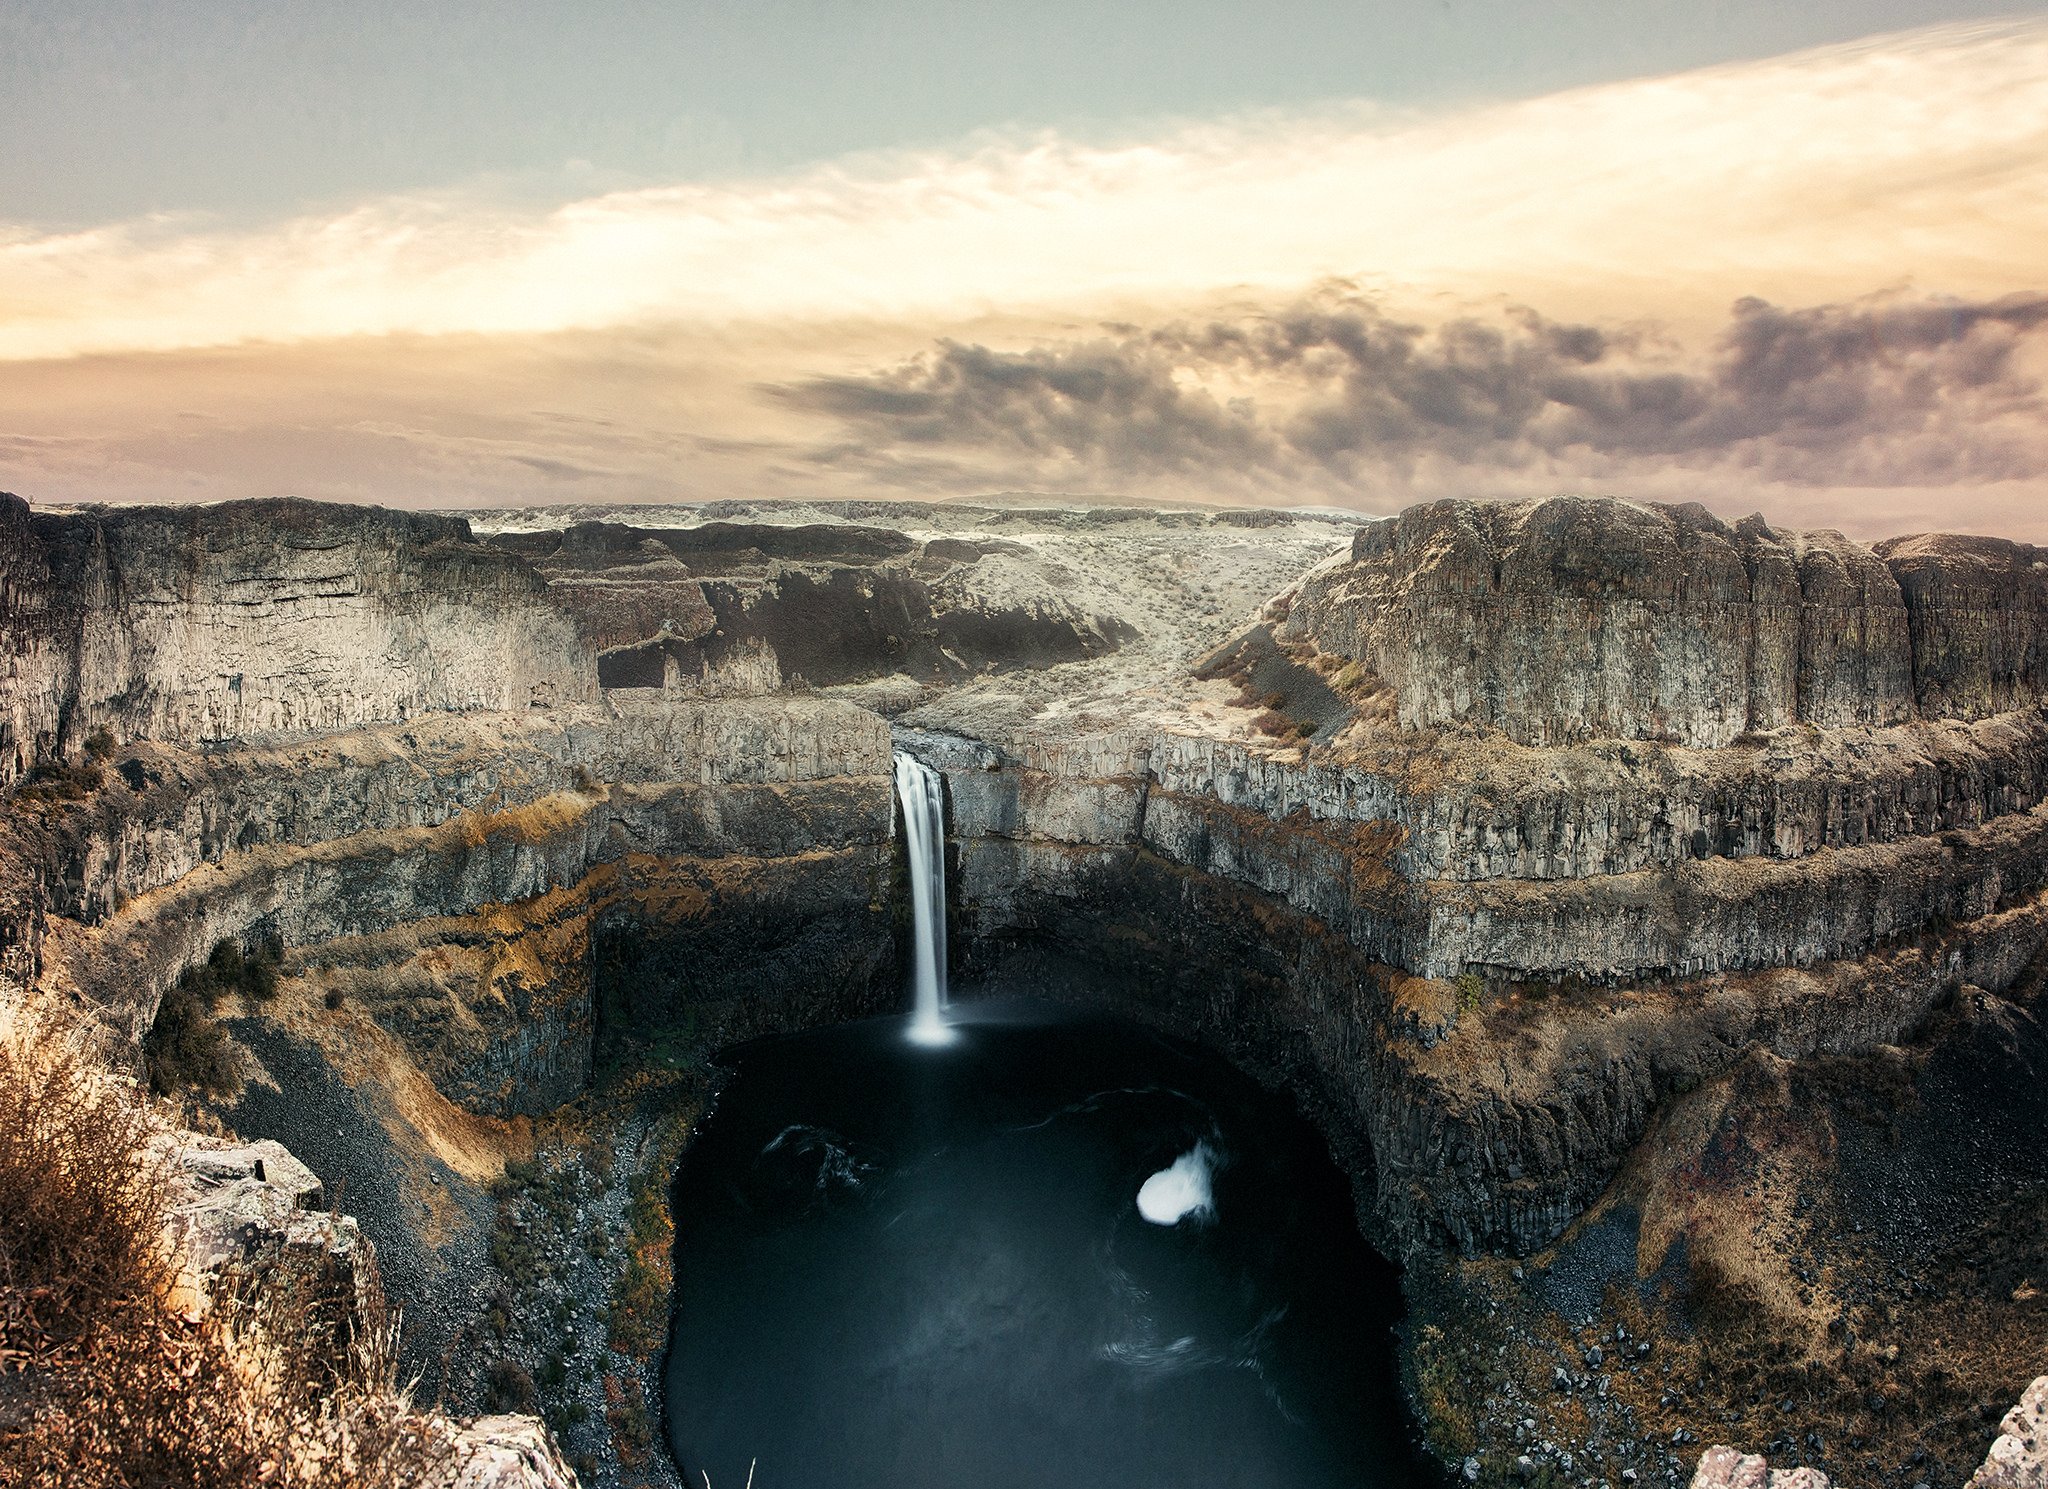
{"x": 560, "y": 470}
{"x": 1873, "y": 393}
{"x": 1115, "y": 403}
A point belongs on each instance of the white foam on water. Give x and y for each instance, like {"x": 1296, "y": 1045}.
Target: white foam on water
{"x": 1181, "y": 1189}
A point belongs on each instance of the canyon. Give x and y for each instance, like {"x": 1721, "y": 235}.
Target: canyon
{"x": 1650, "y": 912}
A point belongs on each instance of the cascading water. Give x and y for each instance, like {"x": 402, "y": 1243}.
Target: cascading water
{"x": 924, "y": 834}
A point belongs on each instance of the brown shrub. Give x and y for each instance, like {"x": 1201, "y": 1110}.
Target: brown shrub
{"x": 625, "y": 1412}
{"x": 81, "y": 1205}
{"x": 184, "y": 1046}
{"x": 104, "y": 1387}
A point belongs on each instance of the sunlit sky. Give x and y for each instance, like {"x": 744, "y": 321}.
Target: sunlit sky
{"x": 1776, "y": 258}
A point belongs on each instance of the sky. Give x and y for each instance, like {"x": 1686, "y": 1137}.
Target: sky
{"x": 1773, "y": 258}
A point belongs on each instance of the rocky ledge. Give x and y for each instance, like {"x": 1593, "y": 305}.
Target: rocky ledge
{"x": 242, "y": 1210}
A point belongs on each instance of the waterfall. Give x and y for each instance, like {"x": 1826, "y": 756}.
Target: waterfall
{"x": 924, "y": 835}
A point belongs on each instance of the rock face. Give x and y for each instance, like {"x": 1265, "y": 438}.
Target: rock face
{"x": 1724, "y": 1468}
{"x": 239, "y": 1205}
{"x": 214, "y": 623}
{"x": 1526, "y": 820}
{"x": 1979, "y": 610}
{"x": 1627, "y": 750}
{"x": 350, "y": 837}
{"x": 2019, "y": 1458}
{"x": 506, "y": 1452}
{"x": 241, "y": 1210}
{"x": 1575, "y": 618}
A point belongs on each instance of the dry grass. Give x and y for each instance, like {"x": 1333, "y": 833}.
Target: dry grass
{"x": 102, "y": 1385}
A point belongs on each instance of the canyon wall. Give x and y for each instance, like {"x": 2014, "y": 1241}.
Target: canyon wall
{"x": 579, "y": 813}
{"x": 1576, "y": 617}
{"x": 204, "y": 624}
{"x": 1570, "y": 744}
{"x": 1492, "y": 837}
{"x": 1619, "y": 793}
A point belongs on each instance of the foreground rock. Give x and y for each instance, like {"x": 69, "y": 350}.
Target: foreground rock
{"x": 248, "y": 1215}
{"x": 1724, "y": 1468}
{"x": 507, "y": 1453}
{"x": 2019, "y": 1459}
{"x": 237, "y": 1206}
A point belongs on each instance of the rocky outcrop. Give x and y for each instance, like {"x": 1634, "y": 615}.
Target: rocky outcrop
{"x": 1576, "y": 617}
{"x": 223, "y": 622}
{"x": 246, "y": 1216}
{"x": 1978, "y": 609}
{"x": 1725, "y": 1468}
{"x": 2019, "y": 1458}
{"x": 506, "y": 1452}
{"x": 241, "y": 1206}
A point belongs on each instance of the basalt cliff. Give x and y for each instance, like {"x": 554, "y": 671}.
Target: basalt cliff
{"x": 1649, "y": 910}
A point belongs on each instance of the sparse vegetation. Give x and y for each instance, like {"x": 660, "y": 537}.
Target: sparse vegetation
{"x": 108, "y": 1387}
{"x": 1470, "y": 990}
{"x": 60, "y": 780}
{"x": 509, "y": 1388}
{"x": 640, "y": 1300}
{"x": 625, "y": 1412}
{"x": 185, "y": 1047}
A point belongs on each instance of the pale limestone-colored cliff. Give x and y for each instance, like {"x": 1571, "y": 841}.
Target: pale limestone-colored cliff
{"x": 250, "y": 619}
{"x": 1577, "y": 617}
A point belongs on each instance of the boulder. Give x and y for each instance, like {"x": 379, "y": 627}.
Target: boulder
{"x": 1726, "y": 1468}
{"x": 2019, "y": 1458}
{"x": 508, "y": 1453}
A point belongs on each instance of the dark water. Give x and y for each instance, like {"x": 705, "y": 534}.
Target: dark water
{"x": 901, "y": 1267}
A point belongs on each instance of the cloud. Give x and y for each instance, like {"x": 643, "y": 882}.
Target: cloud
{"x": 1819, "y": 176}
{"x": 1136, "y": 318}
{"x": 1885, "y": 392}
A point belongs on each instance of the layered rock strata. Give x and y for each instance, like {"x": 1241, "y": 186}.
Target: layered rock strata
{"x": 1576, "y": 618}
{"x": 578, "y": 813}
{"x": 201, "y": 624}
{"x": 1699, "y": 806}
{"x": 1581, "y": 806}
